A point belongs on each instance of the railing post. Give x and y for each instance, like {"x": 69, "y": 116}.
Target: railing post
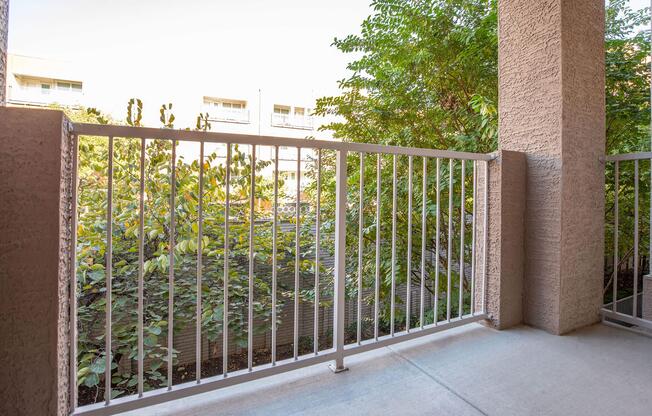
{"x": 340, "y": 258}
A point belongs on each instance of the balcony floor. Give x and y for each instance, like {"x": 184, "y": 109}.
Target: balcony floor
{"x": 471, "y": 370}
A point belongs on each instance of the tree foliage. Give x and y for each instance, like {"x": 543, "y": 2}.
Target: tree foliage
{"x": 92, "y": 249}
{"x": 425, "y": 75}
{"x": 627, "y": 48}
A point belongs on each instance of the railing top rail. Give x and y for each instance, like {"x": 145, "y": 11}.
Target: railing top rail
{"x": 628, "y": 156}
{"x": 214, "y": 137}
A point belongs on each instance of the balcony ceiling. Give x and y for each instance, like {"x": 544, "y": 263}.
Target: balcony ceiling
{"x": 471, "y": 370}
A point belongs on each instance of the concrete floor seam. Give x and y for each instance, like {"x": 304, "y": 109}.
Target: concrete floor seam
{"x": 438, "y": 381}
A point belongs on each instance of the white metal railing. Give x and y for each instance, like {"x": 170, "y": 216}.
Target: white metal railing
{"x": 469, "y": 266}
{"x": 35, "y": 96}
{"x": 235, "y": 115}
{"x": 293, "y": 121}
{"x": 624, "y": 269}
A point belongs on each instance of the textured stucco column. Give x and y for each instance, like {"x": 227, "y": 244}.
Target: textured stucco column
{"x": 35, "y": 233}
{"x": 506, "y": 254}
{"x": 647, "y": 297}
{"x": 552, "y": 108}
{"x": 4, "y": 36}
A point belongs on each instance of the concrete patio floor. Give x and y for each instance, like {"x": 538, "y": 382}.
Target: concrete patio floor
{"x": 471, "y": 370}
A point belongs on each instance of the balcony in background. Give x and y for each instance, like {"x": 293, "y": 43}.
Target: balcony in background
{"x": 228, "y": 115}
{"x": 38, "y": 98}
{"x": 293, "y": 121}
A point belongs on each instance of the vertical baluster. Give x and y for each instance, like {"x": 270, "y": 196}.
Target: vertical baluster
{"x": 225, "y": 324}
{"x": 437, "y": 245}
{"x": 274, "y": 254}
{"x": 73, "y": 275}
{"x": 408, "y": 277}
{"x": 449, "y": 268}
{"x": 250, "y": 296}
{"x": 173, "y": 181}
{"x": 485, "y": 245}
{"x": 423, "y": 241}
{"x": 616, "y": 232}
{"x": 109, "y": 277}
{"x": 462, "y": 223}
{"x": 297, "y": 256}
{"x": 393, "y": 290}
{"x": 377, "y": 281}
{"x": 200, "y": 248}
{"x": 317, "y": 255}
{"x": 141, "y": 268}
{"x": 360, "y": 247}
{"x": 340, "y": 261}
{"x": 475, "y": 179}
{"x": 636, "y": 239}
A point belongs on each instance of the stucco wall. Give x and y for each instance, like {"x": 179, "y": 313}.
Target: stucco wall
{"x": 4, "y": 30}
{"x": 35, "y": 184}
{"x": 505, "y": 256}
{"x": 647, "y": 298}
{"x": 551, "y": 88}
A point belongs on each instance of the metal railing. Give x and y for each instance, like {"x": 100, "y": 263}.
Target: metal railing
{"x": 293, "y": 121}
{"x": 629, "y": 260}
{"x": 35, "y": 96}
{"x": 440, "y": 198}
{"x": 234, "y": 115}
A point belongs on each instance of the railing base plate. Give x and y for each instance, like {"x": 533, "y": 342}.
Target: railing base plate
{"x": 335, "y": 369}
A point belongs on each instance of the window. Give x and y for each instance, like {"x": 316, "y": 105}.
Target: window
{"x": 289, "y": 176}
{"x": 69, "y": 86}
{"x": 45, "y": 89}
{"x": 298, "y": 111}
{"x": 232, "y": 106}
{"x": 281, "y": 109}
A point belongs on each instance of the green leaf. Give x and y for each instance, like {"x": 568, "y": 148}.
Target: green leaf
{"x": 98, "y": 366}
{"x": 91, "y": 380}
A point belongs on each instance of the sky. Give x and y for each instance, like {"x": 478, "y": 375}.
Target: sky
{"x": 170, "y": 50}
{"x": 639, "y": 4}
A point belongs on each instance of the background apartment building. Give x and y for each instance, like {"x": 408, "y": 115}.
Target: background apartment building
{"x": 40, "y": 82}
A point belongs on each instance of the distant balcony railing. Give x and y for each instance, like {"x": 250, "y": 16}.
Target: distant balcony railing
{"x": 293, "y": 121}
{"x": 210, "y": 282}
{"x": 34, "y": 96}
{"x": 232, "y": 115}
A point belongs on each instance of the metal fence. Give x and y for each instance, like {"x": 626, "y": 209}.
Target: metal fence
{"x": 451, "y": 255}
{"x": 627, "y": 257}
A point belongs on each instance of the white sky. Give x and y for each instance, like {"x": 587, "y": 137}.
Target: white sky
{"x": 639, "y": 4}
{"x": 169, "y": 50}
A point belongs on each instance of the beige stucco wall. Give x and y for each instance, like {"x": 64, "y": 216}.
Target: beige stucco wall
{"x": 4, "y": 31}
{"x": 647, "y": 298}
{"x": 505, "y": 256}
{"x": 552, "y": 108}
{"x": 35, "y": 232}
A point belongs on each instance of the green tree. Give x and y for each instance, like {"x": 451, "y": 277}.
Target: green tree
{"x": 92, "y": 250}
{"x": 425, "y": 75}
{"x": 627, "y": 78}
{"x": 627, "y": 48}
